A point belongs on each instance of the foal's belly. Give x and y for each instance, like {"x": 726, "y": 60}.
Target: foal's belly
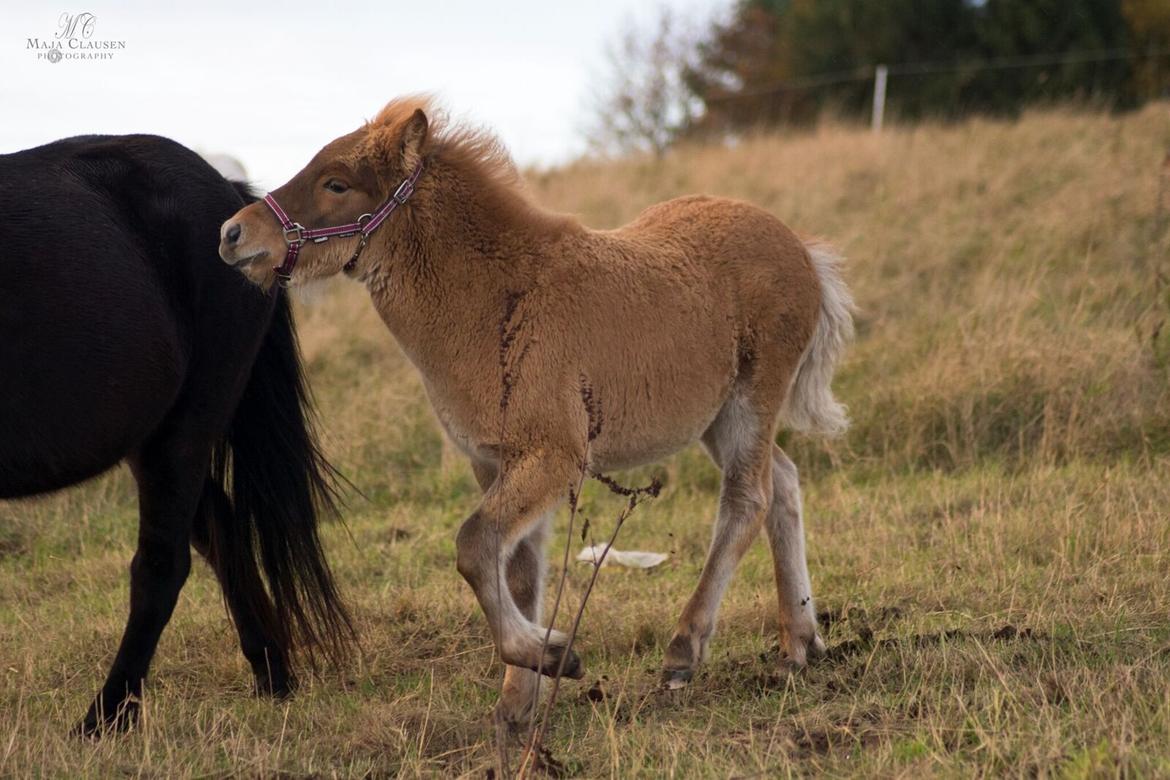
{"x": 611, "y": 453}
{"x": 654, "y": 412}
{"x": 636, "y": 441}
{"x": 645, "y": 416}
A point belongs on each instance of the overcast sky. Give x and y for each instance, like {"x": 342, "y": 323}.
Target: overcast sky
{"x": 272, "y": 82}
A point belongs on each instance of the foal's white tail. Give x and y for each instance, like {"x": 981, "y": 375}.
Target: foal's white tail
{"x": 810, "y": 406}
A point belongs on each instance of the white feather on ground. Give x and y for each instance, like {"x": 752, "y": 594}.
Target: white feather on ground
{"x": 633, "y": 559}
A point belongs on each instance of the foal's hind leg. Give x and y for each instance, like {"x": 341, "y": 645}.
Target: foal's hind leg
{"x": 740, "y": 442}
{"x": 263, "y": 642}
{"x": 170, "y": 474}
{"x": 799, "y": 639}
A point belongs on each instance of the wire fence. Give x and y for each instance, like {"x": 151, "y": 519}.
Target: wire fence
{"x": 881, "y": 74}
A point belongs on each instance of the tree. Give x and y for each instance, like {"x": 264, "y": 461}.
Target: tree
{"x": 1014, "y": 28}
{"x": 786, "y": 61}
{"x": 738, "y": 59}
{"x": 1149, "y": 24}
{"x": 646, "y": 104}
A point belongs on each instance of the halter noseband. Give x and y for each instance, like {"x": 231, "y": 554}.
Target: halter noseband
{"x": 296, "y": 234}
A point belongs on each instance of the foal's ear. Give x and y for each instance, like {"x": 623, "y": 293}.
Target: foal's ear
{"x": 414, "y": 135}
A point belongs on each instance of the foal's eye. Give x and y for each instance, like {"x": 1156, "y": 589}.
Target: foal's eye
{"x": 335, "y": 185}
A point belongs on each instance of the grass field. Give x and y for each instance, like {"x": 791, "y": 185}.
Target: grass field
{"x": 990, "y": 544}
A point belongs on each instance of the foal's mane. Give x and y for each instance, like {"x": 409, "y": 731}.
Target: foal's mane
{"x": 476, "y": 153}
{"x": 474, "y": 150}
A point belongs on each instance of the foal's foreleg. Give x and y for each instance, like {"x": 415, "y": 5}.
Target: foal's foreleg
{"x": 513, "y": 506}
{"x": 526, "y": 574}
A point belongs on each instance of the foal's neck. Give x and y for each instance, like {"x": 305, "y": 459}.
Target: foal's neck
{"x": 443, "y": 283}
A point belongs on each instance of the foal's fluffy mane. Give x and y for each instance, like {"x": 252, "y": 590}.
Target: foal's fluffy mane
{"x": 474, "y": 150}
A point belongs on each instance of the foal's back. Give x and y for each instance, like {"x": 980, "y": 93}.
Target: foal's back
{"x": 713, "y": 256}
{"x": 707, "y": 225}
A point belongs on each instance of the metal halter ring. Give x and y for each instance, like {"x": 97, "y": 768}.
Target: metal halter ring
{"x": 297, "y": 231}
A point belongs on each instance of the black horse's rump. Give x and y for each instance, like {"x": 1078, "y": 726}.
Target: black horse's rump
{"x": 123, "y": 337}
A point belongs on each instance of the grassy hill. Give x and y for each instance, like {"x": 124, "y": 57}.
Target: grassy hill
{"x": 989, "y": 545}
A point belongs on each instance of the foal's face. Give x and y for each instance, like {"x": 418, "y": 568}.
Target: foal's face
{"x": 346, "y": 179}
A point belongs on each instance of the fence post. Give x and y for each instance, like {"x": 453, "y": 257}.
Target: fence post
{"x": 880, "y": 74}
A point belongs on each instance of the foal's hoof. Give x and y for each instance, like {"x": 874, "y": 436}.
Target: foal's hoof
{"x": 552, "y": 663}
{"x": 673, "y": 679}
{"x": 802, "y": 654}
{"x": 683, "y": 656}
{"x": 514, "y": 721}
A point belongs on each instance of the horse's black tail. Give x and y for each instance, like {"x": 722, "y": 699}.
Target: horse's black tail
{"x": 278, "y": 481}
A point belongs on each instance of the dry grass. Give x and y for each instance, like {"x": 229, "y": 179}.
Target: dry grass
{"x": 990, "y": 544}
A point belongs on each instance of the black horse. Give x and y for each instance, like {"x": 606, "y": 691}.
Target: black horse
{"x": 124, "y": 337}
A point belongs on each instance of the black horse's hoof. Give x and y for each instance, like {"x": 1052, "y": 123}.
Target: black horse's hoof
{"x": 276, "y": 686}
{"x": 101, "y": 722}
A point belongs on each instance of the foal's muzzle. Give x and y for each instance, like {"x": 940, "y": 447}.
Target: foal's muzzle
{"x": 232, "y": 249}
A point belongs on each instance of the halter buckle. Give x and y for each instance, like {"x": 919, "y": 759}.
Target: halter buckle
{"x": 294, "y": 234}
{"x": 404, "y": 191}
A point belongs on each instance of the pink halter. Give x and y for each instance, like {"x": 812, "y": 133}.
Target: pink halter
{"x": 296, "y": 234}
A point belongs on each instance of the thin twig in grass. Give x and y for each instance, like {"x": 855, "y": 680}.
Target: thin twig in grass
{"x": 534, "y": 750}
{"x": 1160, "y": 206}
{"x": 592, "y": 431}
{"x": 539, "y": 726}
{"x": 574, "y": 496}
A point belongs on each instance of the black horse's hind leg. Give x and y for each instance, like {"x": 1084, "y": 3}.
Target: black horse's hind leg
{"x": 262, "y": 640}
{"x": 170, "y": 472}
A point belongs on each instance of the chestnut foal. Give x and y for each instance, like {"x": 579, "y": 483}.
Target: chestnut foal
{"x": 704, "y": 319}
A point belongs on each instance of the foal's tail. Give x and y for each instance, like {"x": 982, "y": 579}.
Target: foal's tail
{"x": 810, "y": 406}
{"x": 272, "y": 468}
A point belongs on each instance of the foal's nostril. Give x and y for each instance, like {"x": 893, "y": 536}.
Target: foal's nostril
{"x": 233, "y": 233}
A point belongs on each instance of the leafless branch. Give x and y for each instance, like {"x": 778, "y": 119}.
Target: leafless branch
{"x": 645, "y": 103}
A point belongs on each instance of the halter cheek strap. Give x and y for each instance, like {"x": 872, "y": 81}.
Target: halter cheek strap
{"x": 296, "y": 234}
